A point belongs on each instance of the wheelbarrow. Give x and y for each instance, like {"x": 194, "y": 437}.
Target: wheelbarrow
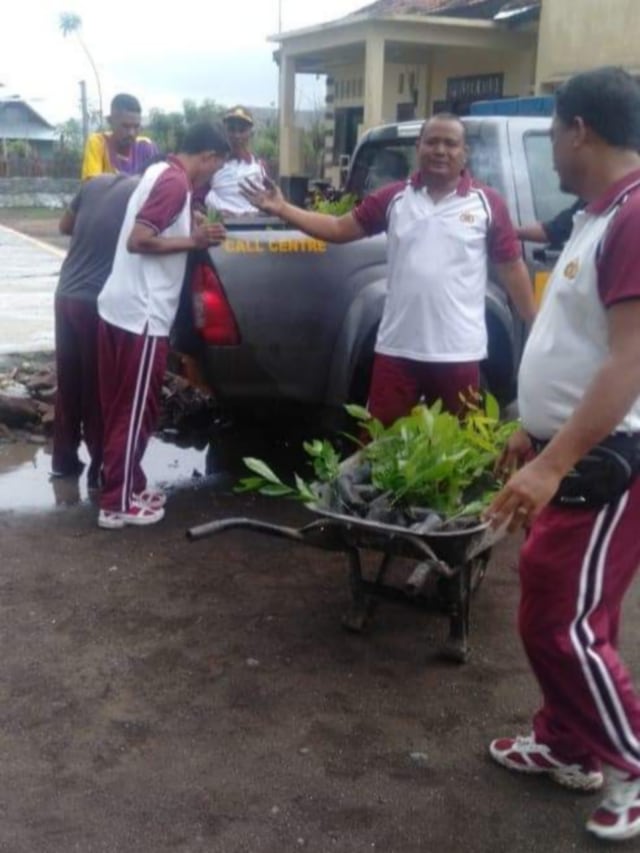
{"x": 457, "y": 558}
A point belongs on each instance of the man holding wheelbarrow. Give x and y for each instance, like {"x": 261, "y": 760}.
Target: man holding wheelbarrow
{"x": 579, "y": 396}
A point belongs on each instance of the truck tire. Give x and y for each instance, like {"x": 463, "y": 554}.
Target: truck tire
{"x": 361, "y": 376}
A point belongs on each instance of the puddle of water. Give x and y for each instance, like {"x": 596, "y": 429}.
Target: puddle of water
{"x": 179, "y": 461}
{"x": 25, "y": 468}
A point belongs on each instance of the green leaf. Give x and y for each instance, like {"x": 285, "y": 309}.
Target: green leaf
{"x": 250, "y": 484}
{"x": 276, "y": 490}
{"x": 261, "y": 468}
{"x": 313, "y": 448}
{"x": 358, "y": 412}
{"x": 304, "y": 490}
{"x": 491, "y": 407}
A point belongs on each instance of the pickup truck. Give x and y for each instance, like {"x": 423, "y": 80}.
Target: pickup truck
{"x": 289, "y": 319}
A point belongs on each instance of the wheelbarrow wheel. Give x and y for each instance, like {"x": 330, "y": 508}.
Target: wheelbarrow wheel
{"x": 456, "y": 651}
{"x": 359, "y": 617}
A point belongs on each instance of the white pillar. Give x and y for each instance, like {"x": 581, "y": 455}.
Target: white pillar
{"x": 288, "y": 157}
{"x": 373, "y": 81}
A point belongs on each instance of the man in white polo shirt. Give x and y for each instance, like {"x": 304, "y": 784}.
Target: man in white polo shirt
{"x": 443, "y": 230}
{"x": 224, "y": 195}
{"x": 137, "y": 307}
{"x": 579, "y": 398}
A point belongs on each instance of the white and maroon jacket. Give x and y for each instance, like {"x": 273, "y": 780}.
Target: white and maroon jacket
{"x": 569, "y": 342}
{"x": 438, "y": 256}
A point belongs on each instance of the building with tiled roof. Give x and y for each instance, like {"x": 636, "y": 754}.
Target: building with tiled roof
{"x": 392, "y": 60}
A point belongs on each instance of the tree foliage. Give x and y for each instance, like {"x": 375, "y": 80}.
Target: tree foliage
{"x": 71, "y": 24}
{"x": 167, "y": 128}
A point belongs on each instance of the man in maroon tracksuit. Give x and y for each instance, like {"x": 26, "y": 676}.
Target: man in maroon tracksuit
{"x": 443, "y": 228}
{"x": 579, "y": 399}
{"x": 93, "y": 220}
{"x": 137, "y": 307}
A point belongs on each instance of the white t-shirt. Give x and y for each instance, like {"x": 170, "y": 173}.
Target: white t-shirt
{"x": 225, "y": 193}
{"x": 569, "y": 341}
{"x": 143, "y": 291}
{"x": 438, "y": 257}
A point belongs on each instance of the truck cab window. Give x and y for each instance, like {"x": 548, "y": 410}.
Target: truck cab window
{"x": 548, "y": 198}
{"x": 381, "y": 163}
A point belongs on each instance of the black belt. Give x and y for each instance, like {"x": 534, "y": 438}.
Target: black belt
{"x": 603, "y": 474}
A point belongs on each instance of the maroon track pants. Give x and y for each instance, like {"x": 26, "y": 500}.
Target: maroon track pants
{"x": 131, "y": 369}
{"x": 398, "y": 384}
{"x": 575, "y": 568}
{"x": 77, "y": 412}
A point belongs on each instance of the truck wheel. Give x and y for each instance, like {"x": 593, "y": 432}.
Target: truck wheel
{"x": 361, "y": 377}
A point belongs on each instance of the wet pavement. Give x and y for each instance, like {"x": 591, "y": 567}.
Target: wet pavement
{"x": 164, "y": 697}
{"x": 26, "y": 485}
{"x": 29, "y": 272}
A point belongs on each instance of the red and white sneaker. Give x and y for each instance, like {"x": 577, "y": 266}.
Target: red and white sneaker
{"x": 618, "y": 815}
{"x": 525, "y": 755}
{"x": 136, "y": 515}
{"x": 154, "y": 498}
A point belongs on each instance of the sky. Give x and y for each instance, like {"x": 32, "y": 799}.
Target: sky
{"x": 193, "y": 49}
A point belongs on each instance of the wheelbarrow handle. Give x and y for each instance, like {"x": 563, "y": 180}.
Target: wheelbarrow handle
{"x": 224, "y": 524}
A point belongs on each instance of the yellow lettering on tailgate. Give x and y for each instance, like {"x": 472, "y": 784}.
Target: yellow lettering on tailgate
{"x": 294, "y": 246}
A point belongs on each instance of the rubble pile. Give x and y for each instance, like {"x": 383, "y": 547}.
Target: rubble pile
{"x": 27, "y": 393}
{"x": 27, "y": 396}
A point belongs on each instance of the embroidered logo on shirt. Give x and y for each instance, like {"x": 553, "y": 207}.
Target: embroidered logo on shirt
{"x": 571, "y": 269}
{"x": 467, "y": 217}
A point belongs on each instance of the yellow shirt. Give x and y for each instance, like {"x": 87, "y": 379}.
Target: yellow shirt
{"x": 97, "y": 158}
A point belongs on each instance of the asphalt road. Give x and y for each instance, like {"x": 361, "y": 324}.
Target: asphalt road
{"x": 160, "y": 695}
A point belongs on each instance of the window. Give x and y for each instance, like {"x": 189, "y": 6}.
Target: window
{"x": 345, "y": 135}
{"x": 401, "y": 84}
{"x": 381, "y": 163}
{"x": 484, "y": 159}
{"x": 405, "y": 111}
{"x": 475, "y": 87}
{"x": 548, "y": 199}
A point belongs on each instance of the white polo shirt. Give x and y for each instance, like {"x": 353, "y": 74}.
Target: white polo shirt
{"x": 569, "y": 341}
{"x": 143, "y": 291}
{"x": 438, "y": 254}
{"x": 225, "y": 193}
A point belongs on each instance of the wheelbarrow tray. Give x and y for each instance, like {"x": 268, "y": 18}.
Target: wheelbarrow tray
{"x": 454, "y": 547}
{"x": 458, "y": 558}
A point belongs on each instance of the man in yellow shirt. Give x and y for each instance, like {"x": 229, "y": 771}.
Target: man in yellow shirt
{"x": 121, "y": 149}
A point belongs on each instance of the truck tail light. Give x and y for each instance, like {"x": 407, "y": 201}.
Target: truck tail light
{"x": 212, "y": 314}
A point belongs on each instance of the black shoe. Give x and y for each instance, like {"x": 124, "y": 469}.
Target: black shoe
{"x": 73, "y": 470}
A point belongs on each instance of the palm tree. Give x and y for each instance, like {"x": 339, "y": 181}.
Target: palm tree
{"x": 70, "y": 23}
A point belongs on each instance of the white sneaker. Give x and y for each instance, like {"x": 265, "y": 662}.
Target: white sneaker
{"x": 526, "y": 755}
{"x": 618, "y": 815}
{"x": 154, "y": 498}
{"x": 137, "y": 515}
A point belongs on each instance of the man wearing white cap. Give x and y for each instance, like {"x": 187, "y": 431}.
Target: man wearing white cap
{"x": 224, "y": 195}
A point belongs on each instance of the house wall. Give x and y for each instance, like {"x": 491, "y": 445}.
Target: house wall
{"x": 348, "y": 86}
{"x": 518, "y": 69}
{"x": 605, "y": 32}
{"x": 431, "y": 75}
{"x": 432, "y": 50}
